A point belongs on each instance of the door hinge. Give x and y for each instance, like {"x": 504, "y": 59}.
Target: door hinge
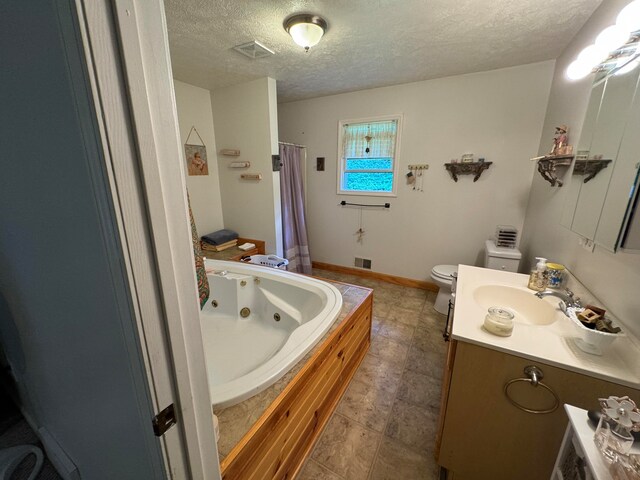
{"x": 164, "y": 420}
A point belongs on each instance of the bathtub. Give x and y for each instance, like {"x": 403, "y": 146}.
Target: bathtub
{"x": 258, "y": 323}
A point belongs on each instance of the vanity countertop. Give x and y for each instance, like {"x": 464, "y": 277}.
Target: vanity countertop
{"x": 548, "y": 344}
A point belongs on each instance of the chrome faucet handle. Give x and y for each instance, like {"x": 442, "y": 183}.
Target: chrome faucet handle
{"x": 563, "y": 306}
{"x": 575, "y": 301}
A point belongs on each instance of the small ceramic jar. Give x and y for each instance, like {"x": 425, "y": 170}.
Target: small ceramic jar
{"x": 555, "y": 275}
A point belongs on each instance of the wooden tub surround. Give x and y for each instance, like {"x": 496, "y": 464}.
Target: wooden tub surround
{"x": 269, "y": 436}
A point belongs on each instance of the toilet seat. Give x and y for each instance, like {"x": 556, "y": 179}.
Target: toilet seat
{"x": 11, "y": 458}
{"x": 444, "y": 272}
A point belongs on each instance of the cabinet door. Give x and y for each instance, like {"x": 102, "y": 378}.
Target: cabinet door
{"x": 486, "y": 437}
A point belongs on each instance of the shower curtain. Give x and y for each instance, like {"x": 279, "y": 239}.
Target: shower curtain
{"x": 294, "y": 225}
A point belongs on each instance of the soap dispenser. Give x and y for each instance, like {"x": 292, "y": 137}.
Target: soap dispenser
{"x": 538, "y": 277}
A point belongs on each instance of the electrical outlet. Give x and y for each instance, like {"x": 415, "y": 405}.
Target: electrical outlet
{"x": 588, "y": 245}
{"x": 276, "y": 163}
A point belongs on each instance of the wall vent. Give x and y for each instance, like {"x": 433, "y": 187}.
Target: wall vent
{"x": 506, "y": 236}
{"x": 253, "y": 50}
{"x": 363, "y": 263}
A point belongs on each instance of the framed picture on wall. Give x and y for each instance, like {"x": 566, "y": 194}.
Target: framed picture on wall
{"x": 196, "y": 157}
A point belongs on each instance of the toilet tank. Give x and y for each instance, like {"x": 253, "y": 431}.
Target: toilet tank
{"x": 501, "y": 258}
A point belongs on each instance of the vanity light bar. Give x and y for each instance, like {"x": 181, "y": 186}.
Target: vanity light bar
{"x": 616, "y": 48}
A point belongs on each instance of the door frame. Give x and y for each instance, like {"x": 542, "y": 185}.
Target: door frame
{"x": 125, "y": 44}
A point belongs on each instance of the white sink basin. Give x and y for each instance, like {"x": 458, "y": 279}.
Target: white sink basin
{"x": 526, "y": 307}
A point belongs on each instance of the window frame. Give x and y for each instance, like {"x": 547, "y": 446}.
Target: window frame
{"x": 341, "y": 163}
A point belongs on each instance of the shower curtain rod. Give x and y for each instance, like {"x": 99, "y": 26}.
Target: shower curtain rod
{"x": 292, "y": 144}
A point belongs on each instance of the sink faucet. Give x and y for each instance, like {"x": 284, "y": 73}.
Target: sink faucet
{"x": 567, "y": 298}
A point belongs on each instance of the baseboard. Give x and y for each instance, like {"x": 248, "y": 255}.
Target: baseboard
{"x": 402, "y": 281}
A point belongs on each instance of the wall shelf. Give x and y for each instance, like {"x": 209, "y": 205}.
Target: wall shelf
{"x": 589, "y": 168}
{"x": 475, "y": 168}
{"x": 547, "y": 167}
{"x": 230, "y": 152}
{"x": 251, "y": 176}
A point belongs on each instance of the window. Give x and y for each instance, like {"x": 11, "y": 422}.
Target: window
{"x": 368, "y": 151}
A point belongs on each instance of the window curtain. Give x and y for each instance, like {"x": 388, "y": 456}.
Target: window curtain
{"x": 294, "y": 224}
{"x": 381, "y": 141}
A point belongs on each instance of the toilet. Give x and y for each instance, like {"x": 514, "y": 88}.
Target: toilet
{"x": 442, "y": 275}
{"x": 497, "y": 258}
{"x": 501, "y": 258}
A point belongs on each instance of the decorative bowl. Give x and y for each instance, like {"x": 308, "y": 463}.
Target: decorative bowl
{"x": 590, "y": 340}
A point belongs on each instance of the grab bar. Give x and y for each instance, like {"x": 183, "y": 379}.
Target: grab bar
{"x": 534, "y": 375}
{"x": 386, "y": 205}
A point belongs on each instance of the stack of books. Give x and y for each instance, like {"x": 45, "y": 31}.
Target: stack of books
{"x": 207, "y": 247}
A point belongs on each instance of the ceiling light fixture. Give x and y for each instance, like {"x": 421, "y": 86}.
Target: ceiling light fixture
{"x": 305, "y": 29}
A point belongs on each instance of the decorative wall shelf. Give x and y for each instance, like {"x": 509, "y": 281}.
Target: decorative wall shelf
{"x": 251, "y": 176}
{"x": 589, "y": 168}
{"x": 230, "y": 152}
{"x": 475, "y": 168}
{"x": 239, "y": 164}
{"x": 547, "y": 167}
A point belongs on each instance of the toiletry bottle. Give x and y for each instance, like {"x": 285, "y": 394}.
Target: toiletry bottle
{"x": 543, "y": 274}
{"x": 538, "y": 277}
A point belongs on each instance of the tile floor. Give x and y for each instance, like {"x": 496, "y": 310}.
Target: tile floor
{"x": 385, "y": 424}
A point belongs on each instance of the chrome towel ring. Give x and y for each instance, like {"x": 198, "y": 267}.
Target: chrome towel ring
{"x": 533, "y": 376}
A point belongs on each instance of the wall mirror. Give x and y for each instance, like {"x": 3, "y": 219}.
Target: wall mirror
{"x": 601, "y": 194}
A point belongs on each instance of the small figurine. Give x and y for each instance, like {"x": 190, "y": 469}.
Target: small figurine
{"x": 560, "y": 141}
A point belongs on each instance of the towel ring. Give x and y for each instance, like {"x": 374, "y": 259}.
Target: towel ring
{"x": 534, "y": 375}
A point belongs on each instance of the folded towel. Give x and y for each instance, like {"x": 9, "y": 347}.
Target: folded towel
{"x": 246, "y": 246}
{"x": 220, "y": 237}
{"x": 207, "y": 247}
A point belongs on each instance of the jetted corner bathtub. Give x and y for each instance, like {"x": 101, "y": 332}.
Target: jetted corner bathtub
{"x": 258, "y": 323}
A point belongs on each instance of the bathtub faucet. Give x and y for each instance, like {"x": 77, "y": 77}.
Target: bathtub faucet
{"x": 567, "y": 298}
{"x": 220, "y": 273}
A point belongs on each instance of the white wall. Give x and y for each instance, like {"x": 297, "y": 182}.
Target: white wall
{"x": 244, "y": 118}
{"x": 497, "y": 115}
{"x": 613, "y": 278}
{"x": 194, "y": 109}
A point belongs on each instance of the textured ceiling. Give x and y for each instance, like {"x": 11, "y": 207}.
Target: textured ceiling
{"x": 369, "y": 43}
